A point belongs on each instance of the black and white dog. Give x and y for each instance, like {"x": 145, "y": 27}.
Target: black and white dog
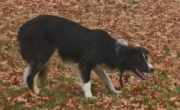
{"x": 39, "y": 37}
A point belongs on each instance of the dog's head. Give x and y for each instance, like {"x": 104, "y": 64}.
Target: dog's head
{"x": 135, "y": 60}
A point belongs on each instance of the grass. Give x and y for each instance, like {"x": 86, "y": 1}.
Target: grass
{"x": 171, "y": 109}
{"x": 4, "y": 43}
{"x": 175, "y": 91}
{"x": 68, "y": 80}
{"x": 124, "y": 91}
{"x": 7, "y": 44}
{"x": 1, "y": 81}
{"x": 47, "y": 105}
{"x": 1, "y": 95}
{"x": 13, "y": 92}
{"x": 16, "y": 106}
{"x": 9, "y": 104}
{"x": 167, "y": 51}
{"x": 87, "y": 101}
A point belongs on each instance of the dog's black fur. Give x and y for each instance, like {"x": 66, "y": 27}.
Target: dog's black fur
{"x": 39, "y": 37}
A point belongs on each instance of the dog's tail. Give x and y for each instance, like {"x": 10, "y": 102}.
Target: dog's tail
{"x": 43, "y": 73}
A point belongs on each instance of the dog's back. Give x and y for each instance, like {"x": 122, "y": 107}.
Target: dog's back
{"x": 48, "y": 32}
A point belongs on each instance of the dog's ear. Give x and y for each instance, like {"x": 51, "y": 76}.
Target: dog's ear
{"x": 143, "y": 50}
{"x": 121, "y": 41}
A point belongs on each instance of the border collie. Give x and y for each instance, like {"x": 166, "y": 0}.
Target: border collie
{"x": 39, "y": 37}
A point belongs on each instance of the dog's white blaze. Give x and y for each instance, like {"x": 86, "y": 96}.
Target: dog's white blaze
{"x": 122, "y": 42}
{"x": 26, "y": 73}
{"x": 149, "y": 65}
{"x": 35, "y": 87}
{"x": 87, "y": 89}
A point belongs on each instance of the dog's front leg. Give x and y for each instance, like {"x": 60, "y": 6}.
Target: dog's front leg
{"x": 87, "y": 89}
{"x": 106, "y": 80}
{"x": 85, "y": 70}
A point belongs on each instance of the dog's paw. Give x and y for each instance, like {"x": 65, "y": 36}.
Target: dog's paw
{"x": 33, "y": 94}
{"x": 36, "y": 91}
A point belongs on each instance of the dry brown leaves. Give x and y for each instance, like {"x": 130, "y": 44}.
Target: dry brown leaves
{"x": 153, "y": 24}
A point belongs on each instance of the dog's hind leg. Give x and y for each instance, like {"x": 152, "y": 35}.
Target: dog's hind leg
{"x": 35, "y": 87}
{"x": 42, "y": 74}
{"x": 37, "y": 66}
{"x": 33, "y": 76}
{"x": 26, "y": 73}
{"x": 32, "y": 80}
{"x": 106, "y": 80}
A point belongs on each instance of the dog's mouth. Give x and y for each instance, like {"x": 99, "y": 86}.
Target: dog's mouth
{"x": 140, "y": 74}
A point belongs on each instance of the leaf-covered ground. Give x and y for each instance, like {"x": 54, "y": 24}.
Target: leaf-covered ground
{"x": 153, "y": 24}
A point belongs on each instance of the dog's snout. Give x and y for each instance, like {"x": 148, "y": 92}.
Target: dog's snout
{"x": 151, "y": 69}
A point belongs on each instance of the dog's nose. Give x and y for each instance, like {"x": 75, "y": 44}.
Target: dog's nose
{"x": 151, "y": 69}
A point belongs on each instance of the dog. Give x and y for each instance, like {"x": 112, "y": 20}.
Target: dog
{"x": 39, "y": 37}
